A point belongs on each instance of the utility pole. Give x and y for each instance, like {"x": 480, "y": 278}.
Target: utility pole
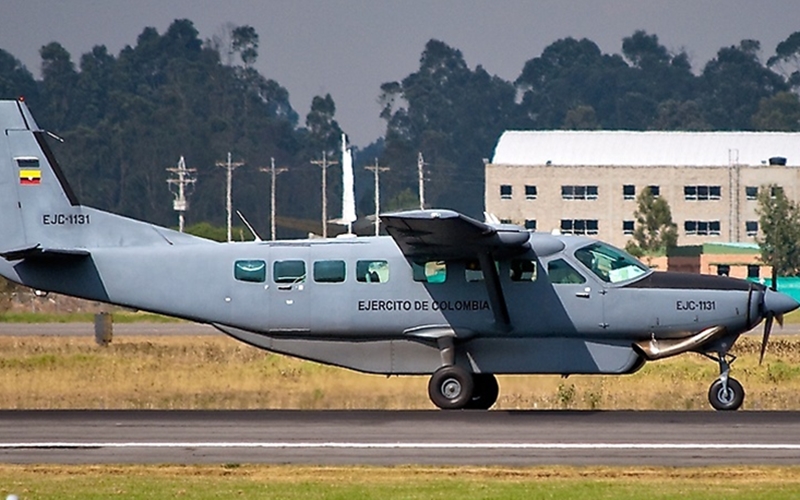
{"x": 420, "y": 173}
{"x": 324, "y": 163}
{"x": 377, "y": 171}
{"x": 274, "y": 174}
{"x": 184, "y": 180}
{"x": 229, "y": 167}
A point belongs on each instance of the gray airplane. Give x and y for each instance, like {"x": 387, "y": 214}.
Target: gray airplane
{"x": 445, "y": 294}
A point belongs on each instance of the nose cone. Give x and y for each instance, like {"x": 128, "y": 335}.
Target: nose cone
{"x": 778, "y": 303}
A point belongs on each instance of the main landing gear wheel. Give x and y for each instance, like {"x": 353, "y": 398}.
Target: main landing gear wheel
{"x": 726, "y": 399}
{"x": 451, "y": 388}
{"x": 484, "y": 395}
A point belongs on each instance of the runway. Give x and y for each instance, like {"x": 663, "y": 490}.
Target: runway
{"x": 401, "y": 437}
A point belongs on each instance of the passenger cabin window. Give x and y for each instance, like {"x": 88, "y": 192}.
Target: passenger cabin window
{"x": 472, "y": 271}
{"x": 434, "y": 271}
{"x": 253, "y": 271}
{"x": 289, "y": 271}
{"x": 329, "y": 271}
{"x": 561, "y": 273}
{"x": 522, "y": 270}
{"x": 372, "y": 271}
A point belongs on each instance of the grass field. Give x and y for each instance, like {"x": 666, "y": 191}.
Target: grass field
{"x": 209, "y": 372}
{"x": 353, "y": 483}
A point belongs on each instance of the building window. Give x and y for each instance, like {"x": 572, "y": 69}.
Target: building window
{"x": 751, "y": 227}
{"x": 530, "y": 192}
{"x": 753, "y": 271}
{"x": 628, "y": 192}
{"x": 506, "y": 221}
{"x": 723, "y": 270}
{"x": 701, "y": 228}
{"x": 774, "y": 190}
{"x": 655, "y": 191}
{"x": 579, "y": 226}
{"x": 751, "y": 192}
{"x": 505, "y": 192}
{"x": 627, "y": 227}
{"x": 579, "y": 192}
{"x": 530, "y": 224}
{"x": 702, "y": 193}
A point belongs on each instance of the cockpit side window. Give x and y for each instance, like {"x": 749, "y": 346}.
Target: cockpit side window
{"x": 561, "y": 273}
{"x": 610, "y": 264}
{"x": 434, "y": 271}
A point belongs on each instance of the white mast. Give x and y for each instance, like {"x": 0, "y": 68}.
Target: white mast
{"x": 348, "y": 193}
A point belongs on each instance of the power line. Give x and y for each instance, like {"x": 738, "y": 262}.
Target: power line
{"x": 273, "y": 175}
{"x": 229, "y": 167}
{"x": 377, "y": 170}
{"x": 184, "y": 180}
{"x": 324, "y": 164}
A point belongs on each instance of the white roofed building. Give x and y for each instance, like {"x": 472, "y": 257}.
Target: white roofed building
{"x": 586, "y": 182}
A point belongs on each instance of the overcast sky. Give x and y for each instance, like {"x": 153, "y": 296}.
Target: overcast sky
{"x": 348, "y": 48}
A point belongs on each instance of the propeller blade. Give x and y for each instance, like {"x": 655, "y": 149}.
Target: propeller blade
{"x": 767, "y": 331}
{"x": 779, "y": 317}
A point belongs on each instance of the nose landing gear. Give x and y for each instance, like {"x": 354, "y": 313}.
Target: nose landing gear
{"x": 726, "y": 393}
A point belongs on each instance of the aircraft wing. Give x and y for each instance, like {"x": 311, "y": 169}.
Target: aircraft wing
{"x": 445, "y": 234}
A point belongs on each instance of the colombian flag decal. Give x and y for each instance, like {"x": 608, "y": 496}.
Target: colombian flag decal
{"x": 30, "y": 177}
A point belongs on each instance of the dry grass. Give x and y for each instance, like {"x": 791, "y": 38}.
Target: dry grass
{"x": 221, "y": 373}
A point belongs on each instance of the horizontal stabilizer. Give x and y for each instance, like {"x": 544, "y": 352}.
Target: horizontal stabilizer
{"x": 39, "y": 253}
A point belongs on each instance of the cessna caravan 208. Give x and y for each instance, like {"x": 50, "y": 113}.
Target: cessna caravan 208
{"x": 444, "y": 295}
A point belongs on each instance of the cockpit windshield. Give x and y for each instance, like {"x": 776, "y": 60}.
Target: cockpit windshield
{"x": 610, "y": 264}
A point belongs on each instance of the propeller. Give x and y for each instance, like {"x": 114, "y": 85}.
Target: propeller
{"x": 774, "y": 305}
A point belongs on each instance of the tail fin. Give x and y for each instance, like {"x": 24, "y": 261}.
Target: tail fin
{"x": 32, "y": 186}
{"x": 39, "y": 213}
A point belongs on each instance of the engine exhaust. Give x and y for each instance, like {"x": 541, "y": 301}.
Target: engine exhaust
{"x": 654, "y": 349}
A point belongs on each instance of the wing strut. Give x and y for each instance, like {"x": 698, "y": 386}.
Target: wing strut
{"x": 495, "y": 291}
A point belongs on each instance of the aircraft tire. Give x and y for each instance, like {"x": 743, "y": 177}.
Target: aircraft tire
{"x": 485, "y": 393}
{"x": 451, "y": 388}
{"x": 730, "y": 401}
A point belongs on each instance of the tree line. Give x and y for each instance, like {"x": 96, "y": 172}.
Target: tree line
{"x": 125, "y": 118}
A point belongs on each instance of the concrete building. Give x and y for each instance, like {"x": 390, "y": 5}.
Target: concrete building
{"x": 586, "y": 182}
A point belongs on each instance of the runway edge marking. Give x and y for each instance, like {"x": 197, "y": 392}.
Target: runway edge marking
{"x": 389, "y": 446}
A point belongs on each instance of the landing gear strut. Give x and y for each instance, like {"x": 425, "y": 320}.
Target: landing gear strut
{"x": 726, "y": 393}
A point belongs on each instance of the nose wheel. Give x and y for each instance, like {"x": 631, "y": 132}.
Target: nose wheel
{"x": 726, "y": 393}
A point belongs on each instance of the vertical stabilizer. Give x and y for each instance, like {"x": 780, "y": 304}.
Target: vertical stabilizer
{"x": 37, "y": 206}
